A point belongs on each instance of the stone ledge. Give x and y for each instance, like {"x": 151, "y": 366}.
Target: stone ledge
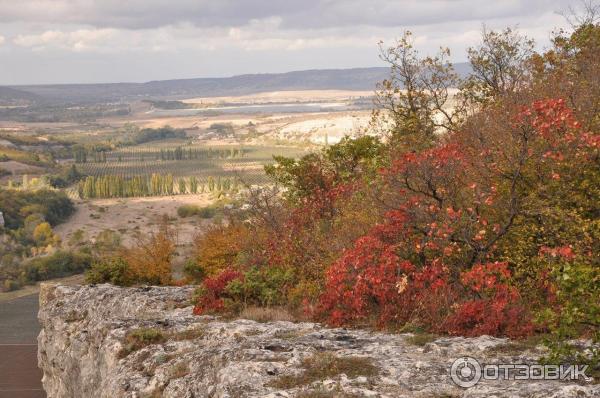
{"x": 106, "y": 341}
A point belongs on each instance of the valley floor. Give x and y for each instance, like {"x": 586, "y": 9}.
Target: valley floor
{"x": 131, "y": 215}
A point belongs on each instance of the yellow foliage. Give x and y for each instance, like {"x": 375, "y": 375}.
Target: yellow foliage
{"x": 43, "y": 235}
{"x": 149, "y": 260}
{"x": 219, "y": 247}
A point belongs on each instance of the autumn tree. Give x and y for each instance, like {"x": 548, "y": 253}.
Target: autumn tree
{"x": 349, "y": 160}
{"x": 500, "y": 66}
{"x": 44, "y": 236}
{"x": 413, "y": 104}
{"x": 218, "y": 248}
{"x": 149, "y": 260}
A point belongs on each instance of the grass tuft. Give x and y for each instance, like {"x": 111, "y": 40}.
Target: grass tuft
{"x": 189, "y": 334}
{"x": 420, "y": 339}
{"x": 263, "y": 314}
{"x": 140, "y": 338}
{"x": 323, "y": 366}
{"x": 180, "y": 370}
{"x": 326, "y": 394}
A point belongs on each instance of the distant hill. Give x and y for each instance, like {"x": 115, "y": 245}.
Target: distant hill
{"x": 13, "y": 96}
{"x": 322, "y": 79}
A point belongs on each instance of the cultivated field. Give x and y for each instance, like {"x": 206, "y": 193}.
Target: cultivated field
{"x": 242, "y": 162}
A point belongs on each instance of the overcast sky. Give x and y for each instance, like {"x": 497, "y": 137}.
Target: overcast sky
{"x": 88, "y": 41}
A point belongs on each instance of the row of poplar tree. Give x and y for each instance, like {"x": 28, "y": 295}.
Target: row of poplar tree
{"x": 82, "y": 155}
{"x": 115, "y": 186}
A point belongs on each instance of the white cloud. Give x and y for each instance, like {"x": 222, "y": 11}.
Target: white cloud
{"x": 110, "y": 26}
{"x": 206, "y": 37}
{"x": 258, "y": 35}
{"x": 77, "y": 40}
{"x": 294, "y": 14}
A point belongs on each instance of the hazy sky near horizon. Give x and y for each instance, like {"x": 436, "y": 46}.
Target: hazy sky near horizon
{"x": 89, "y": 41}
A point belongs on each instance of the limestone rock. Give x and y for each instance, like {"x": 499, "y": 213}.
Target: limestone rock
{"x": 86, "y": 350}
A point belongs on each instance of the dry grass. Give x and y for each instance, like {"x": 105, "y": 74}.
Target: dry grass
{"x": 174, "y": 304}
{"x": 180, "y": 370}
{"x": 326, "y": 365}
{"x": 140, "y": 338}
{"x": 137, "y": 339}
{"x": 516, "y": 347}
{"x": 270, "y": 314}
{"x": 188, "y": 334}
{"x": 326, "y": 394}
{"x": 420, "y": 339}
{"x": 290, "y": 334}
{"x": 140, "y": 214}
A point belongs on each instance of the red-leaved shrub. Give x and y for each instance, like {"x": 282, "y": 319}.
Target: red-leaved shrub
{"x": 496, "y": 307}
{"x": 212, "y": 290}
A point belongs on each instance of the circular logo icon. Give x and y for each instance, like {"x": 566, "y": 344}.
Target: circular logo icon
{"x": 465, "y": 372}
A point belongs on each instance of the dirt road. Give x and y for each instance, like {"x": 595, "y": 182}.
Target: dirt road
{"x": 19, "y": 328}
{"x": 19, "y": 374}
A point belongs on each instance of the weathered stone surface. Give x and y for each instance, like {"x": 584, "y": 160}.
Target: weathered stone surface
{"x": 84, "y": 329}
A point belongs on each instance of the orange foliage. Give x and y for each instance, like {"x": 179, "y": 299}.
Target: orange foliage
{"x": 219, "y": 247}
{"x": 149, "y": 260}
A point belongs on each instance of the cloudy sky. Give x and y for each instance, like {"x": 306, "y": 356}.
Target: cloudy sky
{"x": 85, "y": 41}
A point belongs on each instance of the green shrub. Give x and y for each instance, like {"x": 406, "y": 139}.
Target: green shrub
{"x": 54, "y": 206}
{"x": 10, "y": 285}
{"x": 578, "y": 288}
{"x": 261, "y": 286}
{"x": 56, "y": 265}
{"x": 207, "y": 212}
{"x": 187, "y": 211}
{"x": 113, "y": 270}
{"x": 162, "y": 133}
{"x": 193, "y": 272}
{"x": 193, "y": 210}
{"x": 77, "y": 238}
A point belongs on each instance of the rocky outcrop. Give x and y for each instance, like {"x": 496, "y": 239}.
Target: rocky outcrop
{"x": 105, "y": 341}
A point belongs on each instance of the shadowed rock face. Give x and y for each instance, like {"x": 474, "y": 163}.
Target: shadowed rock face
{"x": 105, "y": 341}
